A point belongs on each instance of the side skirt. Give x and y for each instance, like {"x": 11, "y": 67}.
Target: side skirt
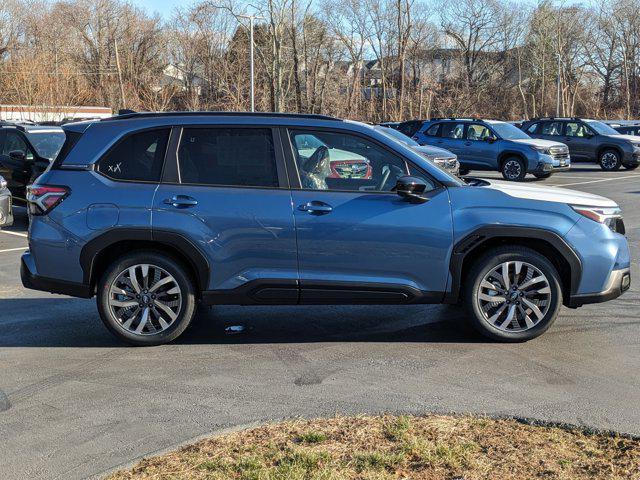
{"x": 280, "y": 292}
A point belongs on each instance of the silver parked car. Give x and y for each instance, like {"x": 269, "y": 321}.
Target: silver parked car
{"x": 442, "y": 158}
{"x": 6, "y": 215}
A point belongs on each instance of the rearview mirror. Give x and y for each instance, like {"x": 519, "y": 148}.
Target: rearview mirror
{"x": 411, "y": 189}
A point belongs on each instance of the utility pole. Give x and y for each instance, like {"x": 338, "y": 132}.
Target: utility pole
{"x": 252, "y": 19}
{"x": 124, "y": 104}
{"x": 558, "y": 86}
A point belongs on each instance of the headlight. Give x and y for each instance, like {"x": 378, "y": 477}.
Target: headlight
{"x": 635, "y": 144}
{"x": 540, "y": 149}
{"x": 3, "y": 183}
{"x": 609, "y": 216}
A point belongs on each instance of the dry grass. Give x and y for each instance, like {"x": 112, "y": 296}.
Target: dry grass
{"x": 389, "y": 447}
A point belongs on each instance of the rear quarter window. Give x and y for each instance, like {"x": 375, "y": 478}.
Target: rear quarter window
{"x": 139, "y": 157}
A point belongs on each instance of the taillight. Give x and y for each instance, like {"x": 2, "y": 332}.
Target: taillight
{"x": 43, "y": 198}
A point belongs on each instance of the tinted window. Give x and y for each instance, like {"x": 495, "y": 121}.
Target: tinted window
{"x": 552, "y": 128}
{"x": 242, "y": 157}
{"x": 452, "y": 130}
{"x": 478, "y": 132}
{"x": 409, "y": 128}
{"x": 138, "y": 157}
{"x": 533, "y": 128}
{"x": 346, "y": 162}
{"x": 576, "y": 129}
{"x": 14, "y": 142}
{"x": 433, "y": 130}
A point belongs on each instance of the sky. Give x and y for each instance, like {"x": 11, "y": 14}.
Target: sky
{"x": 163, "y": 7}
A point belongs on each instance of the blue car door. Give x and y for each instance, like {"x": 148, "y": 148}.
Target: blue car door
{"x": 358, "y": 241}
{"x": 453, "y": 139}
{"x": 225, "y": 189}
{"x": 480, "y": 147}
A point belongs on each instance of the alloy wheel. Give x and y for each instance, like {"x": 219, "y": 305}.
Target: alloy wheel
{"x": 145, "y": 299}
{"x": 514, "y": 296}
{"x": 609, "y": 160}
{"x": 512, "y": 169}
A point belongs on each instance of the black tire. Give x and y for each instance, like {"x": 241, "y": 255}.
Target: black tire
{"x": 632, "y": 167}
{"x": 513, "y": 169}
{"x": 542, "y": 176}
{"x": 489, "y": 261}
{"x": 610, "y": 160}
{"x": 463, "y": 171}
{"x": 183, "y": 280}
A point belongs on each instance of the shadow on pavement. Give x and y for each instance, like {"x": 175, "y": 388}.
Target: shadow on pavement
{"x": 62, "y": 322}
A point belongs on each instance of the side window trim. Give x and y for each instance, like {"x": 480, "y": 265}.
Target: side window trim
{"x": 292, "y": 165}
{"x": 172, "y": 160}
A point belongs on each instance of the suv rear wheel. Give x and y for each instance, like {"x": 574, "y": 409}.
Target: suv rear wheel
{"x": 146, "y": 298}
{"x": 513, "y": 169}
{"x": 513, "y": 294}
{"x": 610, "y": 160}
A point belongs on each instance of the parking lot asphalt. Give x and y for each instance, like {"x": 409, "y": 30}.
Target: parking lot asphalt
{"x": 75, "y": 403}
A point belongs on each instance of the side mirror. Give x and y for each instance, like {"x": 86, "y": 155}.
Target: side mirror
{"x": 411, "y": 189}
{"x": 490, "y": 139}
{"x": 17, "y": 155}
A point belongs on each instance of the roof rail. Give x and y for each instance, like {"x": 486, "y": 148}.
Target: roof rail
{"x": 554, "y": 118}
{"x": 132, "y": 114}
{"x": 470, "y": 119}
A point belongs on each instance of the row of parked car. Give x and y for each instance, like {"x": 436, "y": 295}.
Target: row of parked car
{"x": 540, "y": 146}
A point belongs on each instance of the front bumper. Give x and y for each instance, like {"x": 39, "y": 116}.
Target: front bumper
{"x": 618, "y": 283}
{"x": 631, "y": 158}
{"x": 31, "y": 279}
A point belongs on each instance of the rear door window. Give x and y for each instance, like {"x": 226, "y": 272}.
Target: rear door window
{"x": 138, "y": 157}
{"x": 452, "y": 130}
{"x": 221, "y": 156}
{"x": 552, "y": 128}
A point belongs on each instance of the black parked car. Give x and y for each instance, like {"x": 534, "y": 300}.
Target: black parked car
{"x": 589, "y": 140}
{"x": 25, "y": 152}
{"x": 6, "y": 215}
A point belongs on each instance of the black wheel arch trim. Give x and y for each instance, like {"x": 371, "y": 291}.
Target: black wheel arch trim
{"x": 483, "y": 234}
{"x": 92, "y": 249}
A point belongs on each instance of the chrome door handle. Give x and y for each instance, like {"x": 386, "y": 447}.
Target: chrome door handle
{"x": 181, "y": 201}
{"x": 316, "y": 208}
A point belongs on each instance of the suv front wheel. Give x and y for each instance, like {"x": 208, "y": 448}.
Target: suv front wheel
{"x": 513, "y": 168}
{"x": 512, "y": 294}
{"x": 146, "y": 298}
{"x": 610, "y": 160}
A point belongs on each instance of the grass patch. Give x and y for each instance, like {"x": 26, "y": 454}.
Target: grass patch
{"x": 432, "y": 447}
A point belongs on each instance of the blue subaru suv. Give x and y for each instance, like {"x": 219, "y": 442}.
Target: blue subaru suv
{"x": 155, "y": 213}
{"x": 495, "y": 145}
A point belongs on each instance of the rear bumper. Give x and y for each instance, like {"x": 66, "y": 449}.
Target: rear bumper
{"x": 618, "y": 283}
{"x": 30, "y": 279}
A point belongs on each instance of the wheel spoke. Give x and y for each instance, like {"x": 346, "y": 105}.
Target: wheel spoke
{"x": 505, "y": 275}
{"x": 492, "y": 298}
{"x": 133, "y": 279}
{"x": 533, "y": 281}
{"x": 145, "y": 275}
{"x": 534, "y": 308}
{"x": 489, "y": 286}
{"x": 166, "y": 309}
{"x": 143, "y": 320}
{"x": 160, "y": 283}
{"x": 127, "y": 304}
{"x": 510, "y": 314}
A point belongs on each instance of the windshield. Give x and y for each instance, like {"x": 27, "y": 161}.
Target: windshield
{"x": 508, "y": 131}
{"x": 396, "y": 135}
{"x": 601, "y": 128}
{"x": 47, "y": 143}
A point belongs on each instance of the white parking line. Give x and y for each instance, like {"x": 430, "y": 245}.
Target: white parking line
{"x": 14, "y": 249}
{"x": 17, "y": 234}
{"x": 598, "y": 181}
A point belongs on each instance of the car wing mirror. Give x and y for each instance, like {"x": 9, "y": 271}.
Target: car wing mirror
{"x": 17, "y": 155}
{"x": 411, "y": 189}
